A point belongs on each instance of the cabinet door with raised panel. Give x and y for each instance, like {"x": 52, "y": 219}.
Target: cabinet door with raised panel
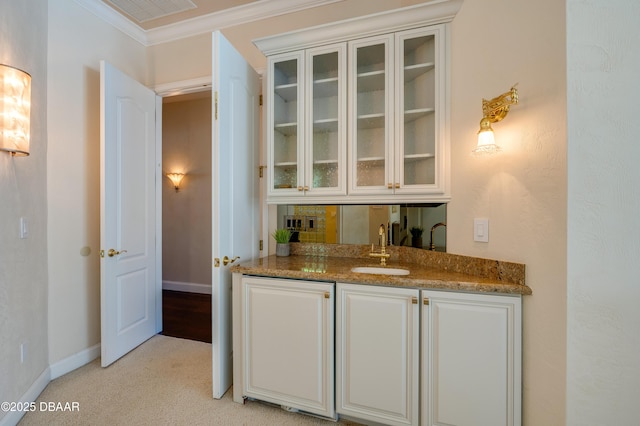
{"x": 371, "y": 115}
{"x": 377, "y": 353}
{"x": 285, "y": 124}
{"x": 420, "y": 111}
{"x": 325, "y": 141}
{"x": 471, "y": 359}
{"x": 288, "y": 335}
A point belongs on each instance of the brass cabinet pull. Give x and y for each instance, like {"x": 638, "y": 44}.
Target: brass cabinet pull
{"x": 426, "y": 301}
{"x": 306, "y": 188}
{"x": 299, "y": 188}
{"x": 327, "y": 295}
{"x": 397, "y": 186}
{"x": 414, "y": 300}
{"x": 390, "y": 185}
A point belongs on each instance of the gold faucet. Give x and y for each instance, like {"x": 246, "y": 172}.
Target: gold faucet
{"x": 432, "y": 245}
{"x": 383, "y": 255}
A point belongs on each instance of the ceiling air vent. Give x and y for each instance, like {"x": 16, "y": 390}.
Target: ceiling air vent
{"x": 146, "y": 10}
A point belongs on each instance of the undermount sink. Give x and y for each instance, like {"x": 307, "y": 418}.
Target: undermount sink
{"x": 380, "y": 270}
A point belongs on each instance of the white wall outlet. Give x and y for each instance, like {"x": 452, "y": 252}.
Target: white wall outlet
{"x": 481, "y": 230}
{"x": 24, "y": 228}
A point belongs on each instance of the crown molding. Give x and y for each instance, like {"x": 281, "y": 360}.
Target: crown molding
{"x": 431, "y": 13}
{"x": 115, "y": 19}
{"x": 204, "y": 24}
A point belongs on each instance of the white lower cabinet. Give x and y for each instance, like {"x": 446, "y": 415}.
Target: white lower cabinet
{"x": 377, "y": 353}
{"x": 288, "y": 343}
{"x": 402, "y": 356}
{"x": 471, "y": 359}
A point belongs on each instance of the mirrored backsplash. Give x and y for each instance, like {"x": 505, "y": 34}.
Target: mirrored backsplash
{"x": 359, "y": 224}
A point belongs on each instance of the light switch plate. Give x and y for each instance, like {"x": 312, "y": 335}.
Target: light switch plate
{"x": 24, "y": 228}
{"x": 481, "y": 230}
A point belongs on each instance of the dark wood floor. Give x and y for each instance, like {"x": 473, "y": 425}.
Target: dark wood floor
{"x": 186, "y": 315}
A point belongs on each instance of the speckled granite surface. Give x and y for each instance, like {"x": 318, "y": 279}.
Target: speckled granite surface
{"x": 428, "y": 270}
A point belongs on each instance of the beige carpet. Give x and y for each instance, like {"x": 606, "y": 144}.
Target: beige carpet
{"x": 165, "y": 381}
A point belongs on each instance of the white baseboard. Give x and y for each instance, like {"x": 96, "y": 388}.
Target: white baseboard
{"x": 74, "y": 361}
{"x": 13, "y": 417}
{"x": 186, "y": 287}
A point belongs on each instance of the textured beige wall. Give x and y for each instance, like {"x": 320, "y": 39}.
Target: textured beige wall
{"x": 23, "y": 193}
{"x": 186, "y": 215}
{"x": 522, "y": 191}
{"x": 495, "y": 43}
{"x": 78, "y": 40}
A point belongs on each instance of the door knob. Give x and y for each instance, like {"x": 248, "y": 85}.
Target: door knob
{"x": 113, "y": 252}
{"x": 226, "y": 260}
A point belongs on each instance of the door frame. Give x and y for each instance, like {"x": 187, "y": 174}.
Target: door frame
{"x": 201, "y": 84}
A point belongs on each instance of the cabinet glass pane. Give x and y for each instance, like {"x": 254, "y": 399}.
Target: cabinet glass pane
{"x": 325, "y": 120}
{"x": 371, "y": 115}
{"x": 285, "y": 124}
{"x": 418, "y": 77}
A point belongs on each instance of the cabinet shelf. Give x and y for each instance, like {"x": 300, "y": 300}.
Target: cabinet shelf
{"x": 325, "y": 125}
{"x": 371, "y": 81}
{"x": 418, "y": 157}
{"x": 288, "y": 92}
{"x": 333, "y": 162}
{"x": 371, "y": 161}
{"x": 325, "y": 87}
{"x": 285, "y": 164}
{"x": 413, "y": 71}
{"x": 371, "y": 121}
{"x": 414, "y": 114}
{"x": 286, "y": 129}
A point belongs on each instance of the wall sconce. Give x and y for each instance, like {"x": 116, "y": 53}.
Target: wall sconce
{"x": 493, "y": 111}
{"x": 15, "y": 110}
{"x": 176, "y": 178}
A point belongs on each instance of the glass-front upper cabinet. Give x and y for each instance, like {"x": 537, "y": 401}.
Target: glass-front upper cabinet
{"x": 285, "y": 120}
{"x": 420, "y": 150}
{"x": 326, "y": 148}
{"x": 397, "y": 112}
{"x": 306, "y": 116}
{"x": 371, "y": 115}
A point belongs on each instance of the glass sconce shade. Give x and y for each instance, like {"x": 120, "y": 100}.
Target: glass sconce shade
{"x": 15, "y": 110}
{"x": 175, "y": 178}
{"x": 486, "y": 140}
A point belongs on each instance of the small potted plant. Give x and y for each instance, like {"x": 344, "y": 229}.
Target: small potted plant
{"x": 416, "y": 236}
{"x": 282, "y": 237}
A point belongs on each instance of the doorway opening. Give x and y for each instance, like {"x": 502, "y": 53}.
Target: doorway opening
{"x": 186, "y": 216}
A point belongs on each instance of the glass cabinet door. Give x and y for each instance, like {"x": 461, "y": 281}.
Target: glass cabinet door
{"x": 371, "y": 109}
{"x": 326, "y": 121}
{"x": 285, "y": 121}
{"x": 417, "y": 132}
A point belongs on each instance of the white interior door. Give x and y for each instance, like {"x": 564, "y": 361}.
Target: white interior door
{"x": 236, "y": 201}
{"x": 130, "y": 288}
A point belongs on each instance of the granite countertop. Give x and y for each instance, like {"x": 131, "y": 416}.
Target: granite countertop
{"x": 428, "y": 270}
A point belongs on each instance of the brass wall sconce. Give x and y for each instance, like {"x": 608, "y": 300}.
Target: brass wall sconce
{"x": 176, "y": 178}
{"x": 15, "y": 110}
{"x": 493, "y": 111}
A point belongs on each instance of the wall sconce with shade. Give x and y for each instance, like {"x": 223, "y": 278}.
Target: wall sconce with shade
{"x": 15, "y": 110}
{"x": 493, "y": 111}
{"x": 176, "y": 178}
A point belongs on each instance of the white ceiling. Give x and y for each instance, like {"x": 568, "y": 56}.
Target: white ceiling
{"x": 148, "y": 14}
{"x": 176, "y": 19}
